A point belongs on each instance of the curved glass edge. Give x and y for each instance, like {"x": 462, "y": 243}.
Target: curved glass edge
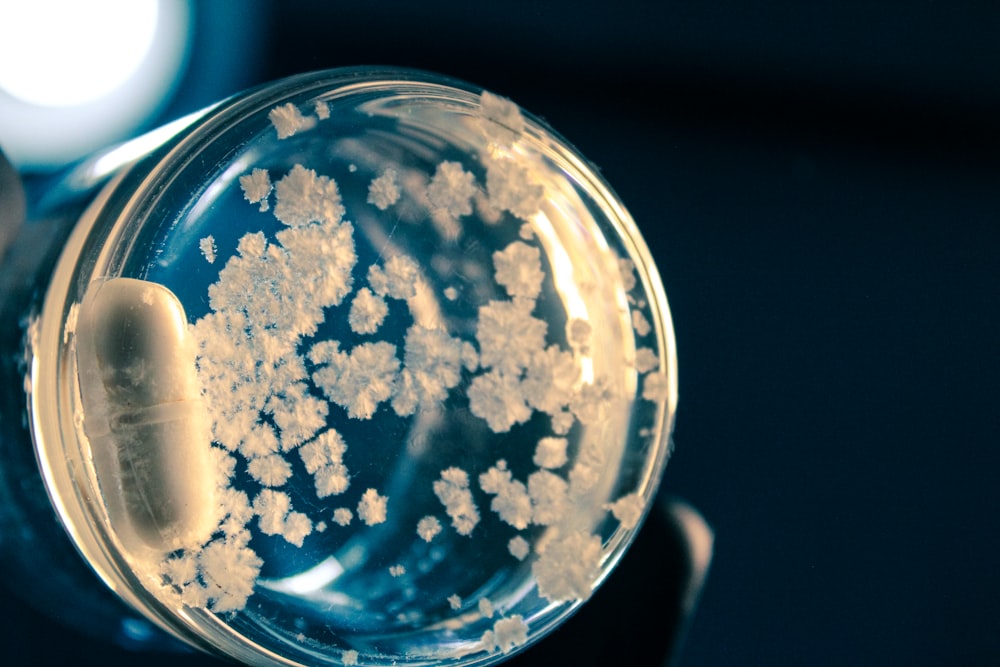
{"x": 50, "y": 332}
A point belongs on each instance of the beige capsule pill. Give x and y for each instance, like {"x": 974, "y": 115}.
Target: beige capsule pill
{"x": 144, "y": 415}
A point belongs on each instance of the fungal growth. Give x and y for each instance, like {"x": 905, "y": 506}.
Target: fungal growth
{"x": 411, "y": 390}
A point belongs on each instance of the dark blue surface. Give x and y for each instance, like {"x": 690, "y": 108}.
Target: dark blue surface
{"x": 819, "y": 184}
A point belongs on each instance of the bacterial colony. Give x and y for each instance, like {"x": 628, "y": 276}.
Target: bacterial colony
{"x": 283, "y": 401}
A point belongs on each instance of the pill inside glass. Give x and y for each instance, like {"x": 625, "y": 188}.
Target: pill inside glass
{"x": 371, "y": 368}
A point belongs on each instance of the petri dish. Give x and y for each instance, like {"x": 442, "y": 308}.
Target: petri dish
{"x": 365, "y": 366}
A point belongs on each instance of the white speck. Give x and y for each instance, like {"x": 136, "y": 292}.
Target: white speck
{"x": 518, "y": 547}
{"x": 322, "y": 110}
{"x": 343, "y": 516}
{"x": 655, "y": 387}
{"x": 352, "y": 167}
{"x": 383, "y": 191}
{"x": 349, "y": 658}
{"x": 485, "y": 608}
{"x": 207, "y": 247}
{"x": 628, "y": 510}
{"x": 640, "y": 323}
{"x": 568, "y": 567}
{"x": 450, "y": 293}
{"x": 397, "y": 570}
{"x": 451, "y": 189}
{"x": 372, "y": 507}
{"x": 519, "y": 269}
{"x": 453, "y": 492}
{"x": 367, "y": 312}
{"x": 455, "y": 602}
{"x": 550, "y": 453}
{"x": 646, "y": 360}
{"x": 287, "y": 120}
{"x": 428, "y": 527}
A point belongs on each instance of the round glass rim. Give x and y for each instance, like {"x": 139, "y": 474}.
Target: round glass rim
{"x": 52, "y": 386}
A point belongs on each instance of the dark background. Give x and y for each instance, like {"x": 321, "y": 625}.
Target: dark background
{"x": 819, "y": 183}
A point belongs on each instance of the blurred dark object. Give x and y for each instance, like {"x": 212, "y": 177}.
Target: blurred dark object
{"x": 12, "y": 203}
{"x": 641, "y": 614}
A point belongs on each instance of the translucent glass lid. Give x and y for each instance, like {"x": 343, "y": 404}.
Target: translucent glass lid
{"x": 371, "y": 369}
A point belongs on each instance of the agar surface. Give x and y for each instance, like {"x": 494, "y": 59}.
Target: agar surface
{"x": 278, "y": 389}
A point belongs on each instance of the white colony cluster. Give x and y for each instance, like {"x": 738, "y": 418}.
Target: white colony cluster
{"x": 207, "y": 247}
{"x": 272, "y": 385}
{"x": 383, "y": 191}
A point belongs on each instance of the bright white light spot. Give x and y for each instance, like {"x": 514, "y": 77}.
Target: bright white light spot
{"x": 304, "y": 583}
{"x": 56, "y": 53}
{"x": 76, "y": 77}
